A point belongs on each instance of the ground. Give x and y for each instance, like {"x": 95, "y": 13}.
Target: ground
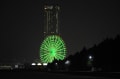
{"x": 56, "y": 75}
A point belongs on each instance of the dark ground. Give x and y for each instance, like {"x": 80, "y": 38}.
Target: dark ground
{"x": 23, "y": 74}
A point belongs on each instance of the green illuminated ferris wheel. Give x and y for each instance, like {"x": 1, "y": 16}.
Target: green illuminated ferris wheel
{"x": 52, "y": 47}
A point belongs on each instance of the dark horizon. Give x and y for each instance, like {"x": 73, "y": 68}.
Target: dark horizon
{"x": 82, "y": 24}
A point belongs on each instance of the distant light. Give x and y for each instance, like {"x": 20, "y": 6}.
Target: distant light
{"x": 67, "y": 62}
{"x": 33, "y": 64}
{"x": 39, "y": 64}
{"x": 56, "y": 64}
{"x": 16, "y": 66}
{"x": 44, "y": 64}
{"x": 5, "y": 67}
{"x": 90, "y": 57}
{"x": 45, "y": 8}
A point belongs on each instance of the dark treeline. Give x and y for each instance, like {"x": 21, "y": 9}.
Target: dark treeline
{"x": 102, "y": 57}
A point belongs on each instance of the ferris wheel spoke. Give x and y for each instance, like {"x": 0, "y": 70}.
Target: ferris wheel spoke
{"x": 59, "y": 56}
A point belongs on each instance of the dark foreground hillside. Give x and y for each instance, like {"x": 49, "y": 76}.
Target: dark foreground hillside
{"x": 103, "y": 57}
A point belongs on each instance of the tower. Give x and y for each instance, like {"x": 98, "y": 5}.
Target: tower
{"x": 52, "y": 47}
{"x": 51, "y": 16}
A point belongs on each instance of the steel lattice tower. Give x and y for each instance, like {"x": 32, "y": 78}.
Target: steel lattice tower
{"x": 51, "y": 16}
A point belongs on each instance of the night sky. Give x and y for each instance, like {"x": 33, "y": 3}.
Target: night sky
{"x": 82, "y": 24}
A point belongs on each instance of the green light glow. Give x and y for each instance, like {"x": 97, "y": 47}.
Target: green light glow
{"x": 53, "y": 47}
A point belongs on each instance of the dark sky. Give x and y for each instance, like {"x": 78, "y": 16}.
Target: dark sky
{"x": 82, "y": 23}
